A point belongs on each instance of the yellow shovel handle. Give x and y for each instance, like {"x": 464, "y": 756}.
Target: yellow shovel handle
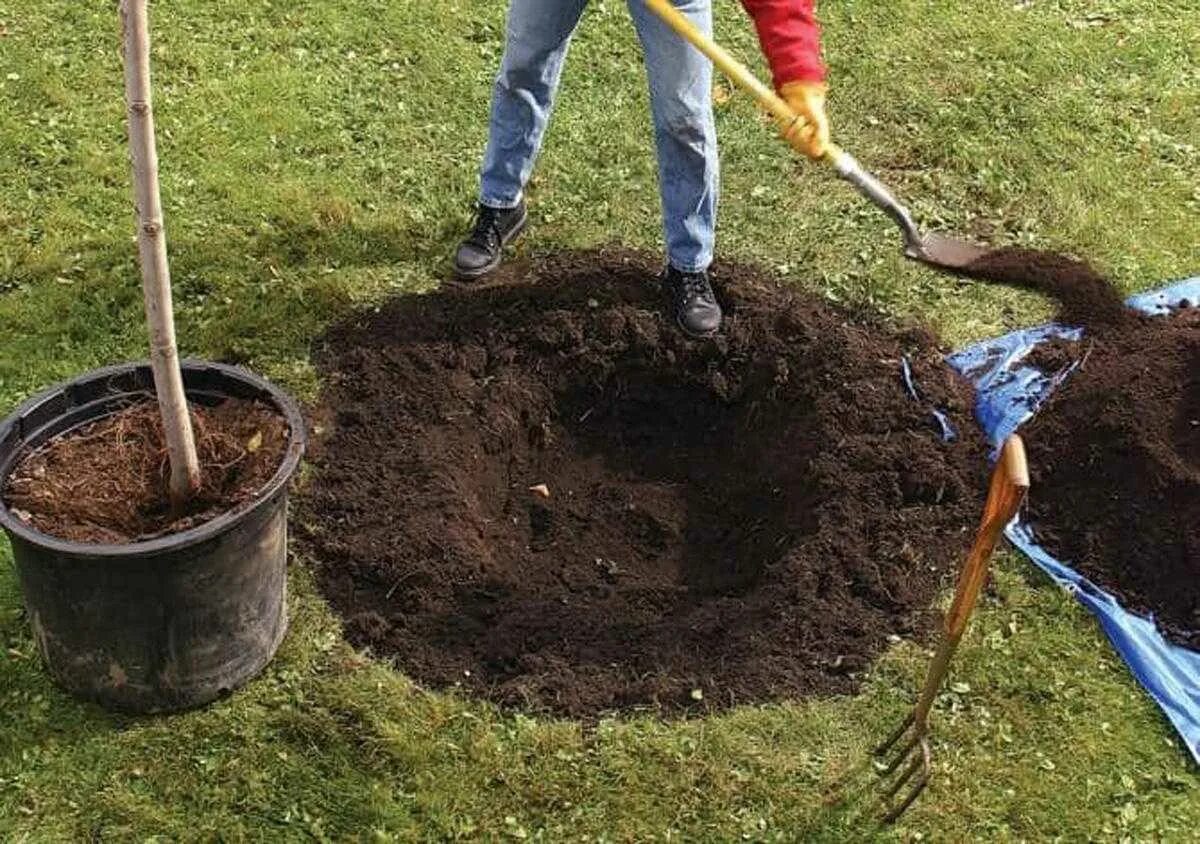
{"x": 737, "y": 72}
{"x": 842, "y": 162}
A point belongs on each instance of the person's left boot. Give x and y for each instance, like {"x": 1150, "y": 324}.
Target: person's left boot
{"x": 693, "y": 302}
{"x": 483, "y": 249}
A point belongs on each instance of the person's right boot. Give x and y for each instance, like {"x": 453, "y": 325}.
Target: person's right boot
{"x": 693, "y": 302}
{"x": 481, "y": 251}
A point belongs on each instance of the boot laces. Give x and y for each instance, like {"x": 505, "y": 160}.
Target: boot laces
{"x": 694, "y": 286}
{"x": 486, "y": 234}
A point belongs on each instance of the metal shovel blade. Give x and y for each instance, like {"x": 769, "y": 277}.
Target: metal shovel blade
{"x": 939, "y": 251}
{"x": 946, "y": 252}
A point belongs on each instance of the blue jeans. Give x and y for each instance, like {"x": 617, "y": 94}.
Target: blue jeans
{"x": 539, "y": 33}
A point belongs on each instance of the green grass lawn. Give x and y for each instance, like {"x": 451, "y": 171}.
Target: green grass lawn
{"x": 320, "y": 156}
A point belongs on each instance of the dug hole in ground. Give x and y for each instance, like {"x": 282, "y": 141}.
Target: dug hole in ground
{"x": 540, "y": 492}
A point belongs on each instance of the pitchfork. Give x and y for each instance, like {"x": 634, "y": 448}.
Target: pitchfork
{"x": 1010, "y": 482}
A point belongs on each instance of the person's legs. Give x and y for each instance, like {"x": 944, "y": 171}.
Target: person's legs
{"x": 538, "y": 35}
{"x": 681, "y": 100}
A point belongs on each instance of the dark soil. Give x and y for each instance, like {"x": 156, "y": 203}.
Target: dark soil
{"x": 1054, "y": 356}
{"x": 1085, "y": 296}
{"x": 1115, "y": 458}
{"x": 541, "y": 492}
{"x": 1115, "y": 454}
{"x": 107, "y": 482}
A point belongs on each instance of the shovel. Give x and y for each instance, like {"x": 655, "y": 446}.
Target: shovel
{"x": 938, "y": 251}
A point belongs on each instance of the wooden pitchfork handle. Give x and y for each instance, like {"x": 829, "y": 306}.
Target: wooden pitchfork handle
{"x": 1009, "y": 484}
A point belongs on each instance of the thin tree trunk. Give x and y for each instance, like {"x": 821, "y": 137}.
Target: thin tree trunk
{"x": 152, "y": 250}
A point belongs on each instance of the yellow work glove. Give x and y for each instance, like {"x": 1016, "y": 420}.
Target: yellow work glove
{"x": 810, "y": 134}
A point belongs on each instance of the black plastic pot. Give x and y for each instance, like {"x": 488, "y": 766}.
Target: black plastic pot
{"x": 167, "y": 624}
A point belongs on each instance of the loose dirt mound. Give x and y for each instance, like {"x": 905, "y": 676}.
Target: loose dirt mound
{"x": 733, "y": 520}
{"x": 1116, "y": 468}
{"x": 107, "y": 482}
{"x": 1115, "y": 456}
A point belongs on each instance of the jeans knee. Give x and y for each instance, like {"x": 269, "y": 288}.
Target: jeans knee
{"x": 690, "y": 127}
{"x": 517, "y": 77}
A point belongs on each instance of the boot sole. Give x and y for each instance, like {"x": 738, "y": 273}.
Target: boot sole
{"x": 492, "y": 266}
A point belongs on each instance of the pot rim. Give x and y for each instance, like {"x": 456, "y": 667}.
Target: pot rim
{"x": 172, "y": 543}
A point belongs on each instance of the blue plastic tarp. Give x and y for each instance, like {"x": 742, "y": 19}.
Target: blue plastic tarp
{"x": 1009, "y": 393}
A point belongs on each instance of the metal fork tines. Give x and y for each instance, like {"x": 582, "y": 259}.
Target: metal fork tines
{"x": 915, "y": 774}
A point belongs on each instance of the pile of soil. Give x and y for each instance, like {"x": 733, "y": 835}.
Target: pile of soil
{"x": 107, "y": 482}
{"x": 1115, "y": 459}
{"x": 1115, "y": 453}
{"x": 541, "y": 492}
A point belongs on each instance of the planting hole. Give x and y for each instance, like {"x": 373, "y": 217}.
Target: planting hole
{"x": 540, "y": 492}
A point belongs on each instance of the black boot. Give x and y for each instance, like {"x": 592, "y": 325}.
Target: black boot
{"x": 494, "y": 229}
{"x": 693, "y": 302}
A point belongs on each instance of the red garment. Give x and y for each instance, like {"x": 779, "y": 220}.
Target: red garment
{"x": 791, "y": 39}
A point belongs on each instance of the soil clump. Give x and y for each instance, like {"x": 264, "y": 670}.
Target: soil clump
{"x": 1084, "y": 296}
{"x": 1053, "y": 356}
